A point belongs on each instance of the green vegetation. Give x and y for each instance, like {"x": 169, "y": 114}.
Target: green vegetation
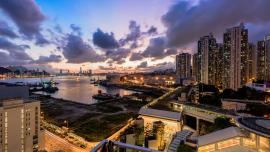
{"x": 109, "y": 108}
{"x": 185, "y": 148}
{"x": 259, "y": 110}
{"x": 244, "y": 93}
{"x": 214, "y": 97}
{"x": 96, "y": 130}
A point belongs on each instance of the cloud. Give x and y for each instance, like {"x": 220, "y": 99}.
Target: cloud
{"x": 105, "y": 40}
{"x": 170, "y": 52}
{"x": 162, "y": 66}
{"x": 25, "y": 13}
{"x": 7, "y": 59}
{"x": 6, "y": 30}
{"x": 152, "y": 30}
{"x": 9, "y": 46}
{"x": 135, "y": 56}
{"x": 76, "y": 29}
{"x": 142, "y": 65}
{"x": 106, "y": 68}
{"x": 40, "y": 40}
{"x": 78, "y": 51}
{"x": 13, "y": 54}
{"x": 27, "y": 16}
{"x": 117, "y": 55}
{"x": 47, "y": 59}
{"x": 186, "y": 23}
{"x": 157, "y": 49}
{"x": 135, "y": 32}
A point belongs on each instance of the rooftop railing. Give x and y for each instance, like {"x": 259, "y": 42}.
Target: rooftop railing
{"x": 113, "y": 146}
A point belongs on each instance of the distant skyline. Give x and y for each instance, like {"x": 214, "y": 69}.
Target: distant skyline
{"x": 115, "y": 35}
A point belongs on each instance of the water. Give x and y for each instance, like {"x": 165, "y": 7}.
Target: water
{"x": 73, "y": 88}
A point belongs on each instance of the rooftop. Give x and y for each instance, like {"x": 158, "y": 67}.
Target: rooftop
{"x": 254, "y": 124}
{"x": 160, "y": 114}
{"x": 211, "y": 108}
{"x": 219, "y": 135}
{"x": 243, "y": 101}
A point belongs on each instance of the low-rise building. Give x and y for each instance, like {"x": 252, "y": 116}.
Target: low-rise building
{"x": 238, "y": 104}
{"x": 252, "y": 134}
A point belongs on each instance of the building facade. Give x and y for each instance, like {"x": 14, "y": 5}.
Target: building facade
{"x": 263, "y": 49}
{"x": 183, "y": 66}
{"x": 20, "y": 126}
{"x": 195, "y": 66}
{"x": 261, "y": 60}
{"x": 236, "y": 54}
{"x": 252, "y": 61}
{"x": 207, "y": 53}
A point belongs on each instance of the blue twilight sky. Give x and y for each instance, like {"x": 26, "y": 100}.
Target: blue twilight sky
{"x": 115, "y": 35}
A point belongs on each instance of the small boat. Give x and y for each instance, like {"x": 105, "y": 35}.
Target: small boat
{"x": 103, "y": 96}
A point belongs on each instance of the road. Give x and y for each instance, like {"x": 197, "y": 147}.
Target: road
{"x": 55, "y": 143}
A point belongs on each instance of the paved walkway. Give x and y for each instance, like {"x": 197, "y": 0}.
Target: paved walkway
{"x": 56, "y": 143}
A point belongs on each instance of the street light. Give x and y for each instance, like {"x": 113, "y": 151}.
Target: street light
{"x": 66, "y": 122}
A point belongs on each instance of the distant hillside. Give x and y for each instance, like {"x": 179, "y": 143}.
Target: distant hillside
{"x": 4, "y": 70}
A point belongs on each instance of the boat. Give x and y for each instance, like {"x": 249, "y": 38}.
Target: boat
{"x": 103, "y": 96}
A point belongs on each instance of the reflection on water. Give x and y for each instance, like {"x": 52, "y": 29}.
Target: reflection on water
{"x": 74, "y": 88}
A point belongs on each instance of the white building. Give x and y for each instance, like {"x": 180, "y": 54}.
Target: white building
{"x": 20, "y": 126}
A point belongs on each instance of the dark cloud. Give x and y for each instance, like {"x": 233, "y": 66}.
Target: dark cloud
{"x": 152, "y": 30}
{"x": 7, "y": 59}
{"x": 11, "y": 47}
{"x": 106, "y": 68}
{"x": 135, "y": 56}
{"x": 156, "y": 48}
{"x": 40, "y": 40}
{"x": 105, "y": 40}
{"x": 78, "y": 51}
{"x": 47, "y": 59}
{"x": 186, "y": 23}
{"x": 76, "y": 29}
{"x": 14, "y": 54}
{"x": 27, "y": 16}
{"x": 6, "y": 30}
{"x": 134, "y": 33}
{"x": 171, "y": 52}
{"x": 117, "y": 55}
{"x": 161, "y": 66}
{"x": 142, "y": 65}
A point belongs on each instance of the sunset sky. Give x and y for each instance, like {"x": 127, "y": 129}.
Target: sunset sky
{"x": 117, "y": 35}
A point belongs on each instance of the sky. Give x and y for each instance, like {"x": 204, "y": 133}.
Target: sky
{"x": 117, "y": 35}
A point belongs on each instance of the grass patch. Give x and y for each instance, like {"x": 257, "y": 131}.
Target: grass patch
{"x": 109, "y": 108}
{"x": 97, "y": 130}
